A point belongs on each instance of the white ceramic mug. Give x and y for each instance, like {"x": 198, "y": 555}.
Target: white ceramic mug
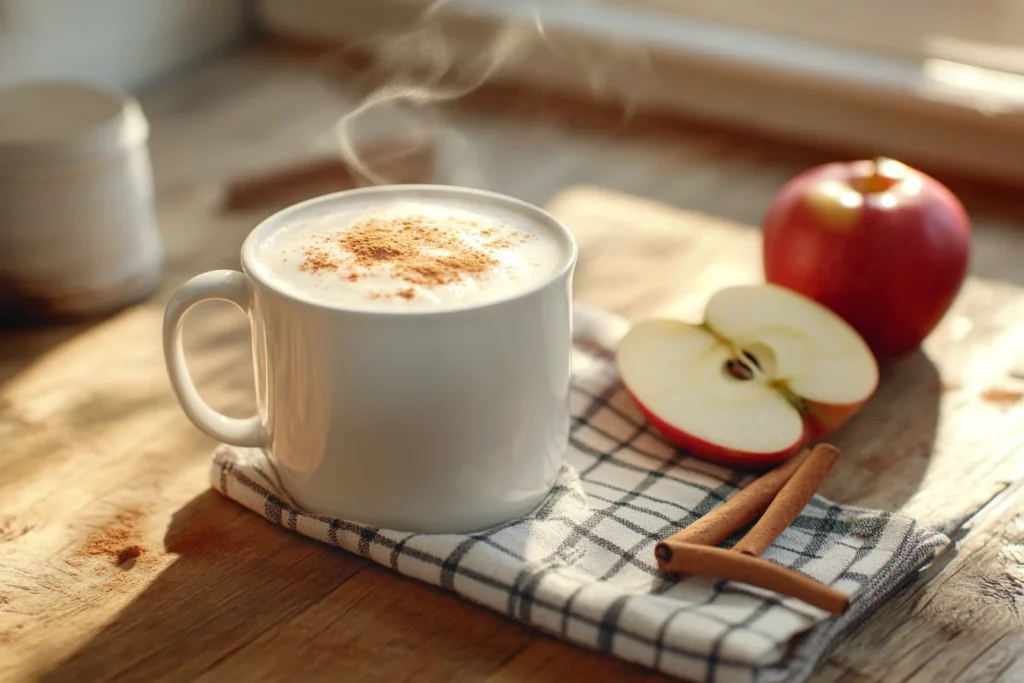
{"x": 434, "y": 421}
{"x": 78, "y": 226}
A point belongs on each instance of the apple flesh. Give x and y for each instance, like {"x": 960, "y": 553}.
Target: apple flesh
{"x": 767, "y": 372}
{"x": 881, "y": 244}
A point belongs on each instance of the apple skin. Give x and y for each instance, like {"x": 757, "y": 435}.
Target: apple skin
{"x": 889, "y": 258}
{"x": 709, "y": 451}
{"x": 819, "y": 420}
{"x": 767, "y": 372}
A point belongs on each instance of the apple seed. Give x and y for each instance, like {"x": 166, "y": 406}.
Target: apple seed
{"x": 739, "y": 369}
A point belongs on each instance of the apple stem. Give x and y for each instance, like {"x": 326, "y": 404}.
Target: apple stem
{"x": 885, "y": 173}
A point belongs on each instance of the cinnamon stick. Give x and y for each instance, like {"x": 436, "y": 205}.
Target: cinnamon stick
{"x": 740, "y": 510}
{"x": 701, "y": 560}
{"x": 795, "y": 494}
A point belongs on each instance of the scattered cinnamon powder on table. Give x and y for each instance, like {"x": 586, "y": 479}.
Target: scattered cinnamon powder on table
{"x": 118, "y": 540}
{"x": 126, "y": 553}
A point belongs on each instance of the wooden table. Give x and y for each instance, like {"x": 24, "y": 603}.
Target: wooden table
{"x": 95, "y": 447}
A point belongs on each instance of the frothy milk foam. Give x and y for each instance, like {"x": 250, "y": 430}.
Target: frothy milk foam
{"x": 410, "y": 254}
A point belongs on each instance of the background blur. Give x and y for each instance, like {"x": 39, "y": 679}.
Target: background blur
{"x": 935, "y": 79}
{"x": 705, "y": 105}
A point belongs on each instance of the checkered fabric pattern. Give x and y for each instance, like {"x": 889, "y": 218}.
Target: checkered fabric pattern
{"x": 581, "y": 566}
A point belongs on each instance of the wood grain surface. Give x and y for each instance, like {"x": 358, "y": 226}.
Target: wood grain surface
{"x": 935, "y": 441}
{"x": 95, "y": 447}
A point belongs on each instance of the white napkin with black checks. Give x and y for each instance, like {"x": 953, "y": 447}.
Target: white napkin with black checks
{"x": 581, "y": 566}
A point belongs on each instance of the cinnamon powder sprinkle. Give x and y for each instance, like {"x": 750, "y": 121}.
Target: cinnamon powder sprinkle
{"x": 416, "y": 250}
{"x": 118, "y": 540}
{"x": 1002, "y": 396}
{"x": 405, "y": 243}
{"x": 317, "y": 259}
{"x": 407, "y": 293}
{"x": 129, "y": 552}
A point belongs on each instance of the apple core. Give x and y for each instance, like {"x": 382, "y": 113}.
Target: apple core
{"x": 766, "y": 371}
{"x": 739, "y": 369}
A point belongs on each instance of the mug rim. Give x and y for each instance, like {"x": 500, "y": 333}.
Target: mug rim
{"x": 252, "y": 270}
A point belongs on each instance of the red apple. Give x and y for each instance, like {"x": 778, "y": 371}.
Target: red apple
{"x": 767, "y": 372}
{"x": 881, "y": 244}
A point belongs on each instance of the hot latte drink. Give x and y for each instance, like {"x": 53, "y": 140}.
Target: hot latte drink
{"x": 412, "y": 355}
{"x": 410, "y": 254}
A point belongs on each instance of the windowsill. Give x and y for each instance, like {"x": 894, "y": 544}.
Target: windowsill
{"x": 933, "y": 111}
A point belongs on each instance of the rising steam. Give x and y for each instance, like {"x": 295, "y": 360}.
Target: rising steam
{"x": 441, "y": 58}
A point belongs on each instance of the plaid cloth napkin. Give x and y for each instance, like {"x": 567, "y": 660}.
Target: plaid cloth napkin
{"x": 581, "y": 566}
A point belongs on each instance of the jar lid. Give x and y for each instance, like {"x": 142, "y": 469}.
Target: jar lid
{"x": 61, "y": 121}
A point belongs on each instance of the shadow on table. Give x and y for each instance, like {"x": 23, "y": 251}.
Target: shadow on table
{"x": 234, "y": 577}
{"x": 268, "y": 599}
{"x": 887, "y": 446}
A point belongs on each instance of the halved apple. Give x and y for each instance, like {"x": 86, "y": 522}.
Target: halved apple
{"x": 768, "y": 371}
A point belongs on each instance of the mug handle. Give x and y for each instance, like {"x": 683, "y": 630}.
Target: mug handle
{"x": 223, "y": 285}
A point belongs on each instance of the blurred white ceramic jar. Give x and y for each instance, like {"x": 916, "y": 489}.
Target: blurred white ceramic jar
{"x": 78, "y": 229}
